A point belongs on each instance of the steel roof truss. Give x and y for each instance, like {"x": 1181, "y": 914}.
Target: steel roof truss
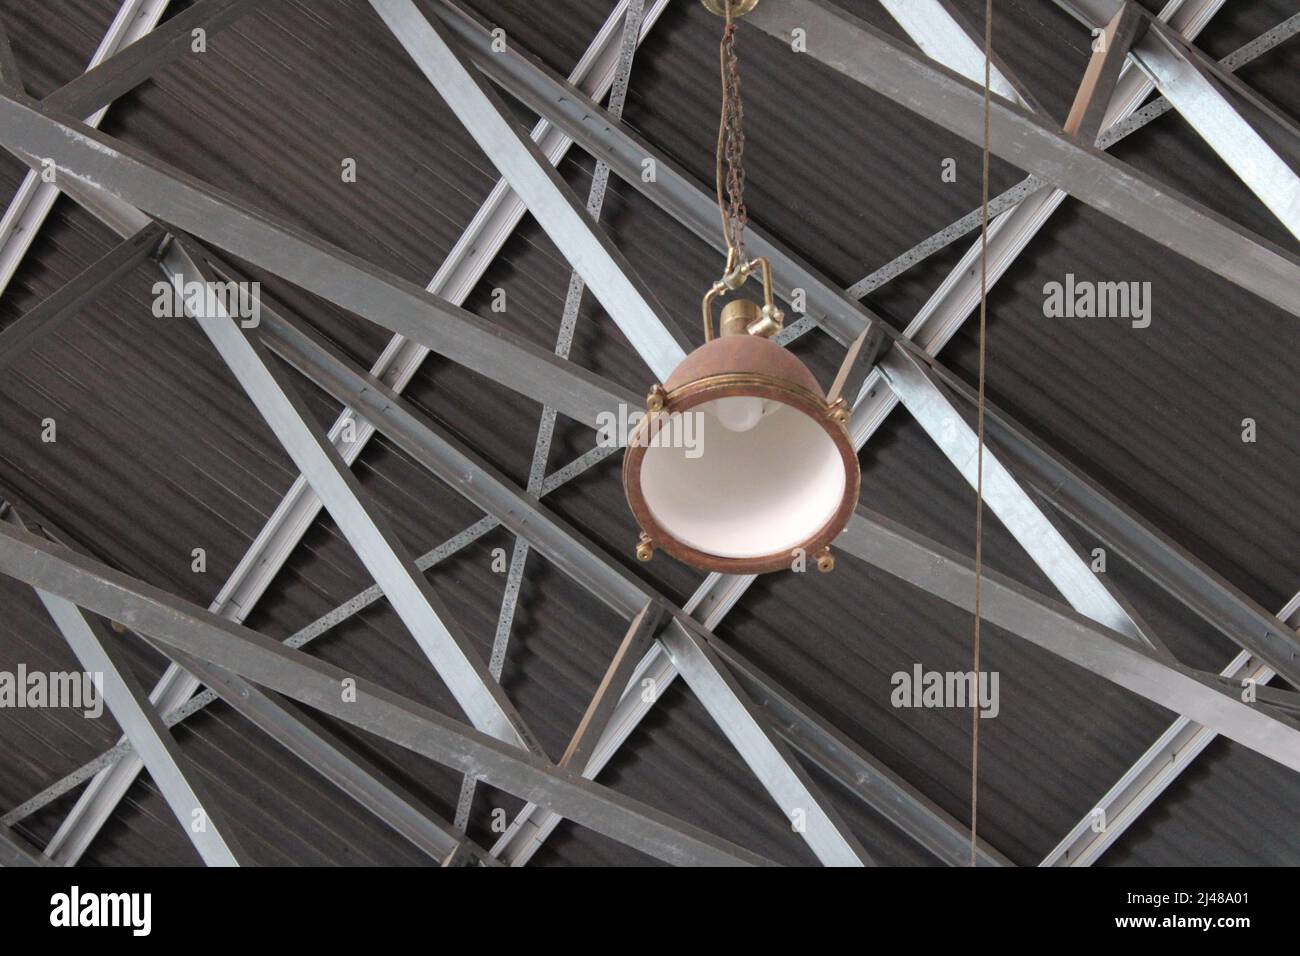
{"x": 254, "y": 657}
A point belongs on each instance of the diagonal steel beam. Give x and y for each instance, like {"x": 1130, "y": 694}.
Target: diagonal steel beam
{"x": 1020, "y": 212}
{"x": 332, "y": 759}
{"x": 255, "y": 657}
{"x": 303, "y": 737}
{"x": 461, "y": 468}
{"x": 1152, "y": 773}
{"x": 76, "y": 294}
{"x": 1109, "y": 57}
{"x": 863, "y": 775}
{"x": 626, "y": 299}
{"x": 867, "y": 56}
{"x": 35, "y": 197}
{"x": 943, "y": 34}
{"x": 1071, "y": 537}
{"x": 126, "y": 70}
{"x": 460, "y": 272}
{"x": 921, "y": 395}
{"x": 152, "y": 741}
{"x": 99, "y": 163}
{"x": 1222, "y": 74}
{"x": 606, "y": 138}
{"x": 1012, "y": 230}
{"x": 161, "y": 755}
{"x": 1188, "y": 17}
{"x": 1180, "y": 573}
{"x": 771, "y": 759}
{"x": 408, "y": 591}
{"x": 1189, "y": 86}
{"x": 897, "y": 550}
{"x": 1274, "y": 699}
{"x": 563, "y": 343}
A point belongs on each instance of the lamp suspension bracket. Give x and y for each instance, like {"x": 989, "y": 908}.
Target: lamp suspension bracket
{"x": 764, "y": 322}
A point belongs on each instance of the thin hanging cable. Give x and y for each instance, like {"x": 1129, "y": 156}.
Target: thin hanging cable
{"x": 731, "y": 147}
{"x": 979, "y": 466}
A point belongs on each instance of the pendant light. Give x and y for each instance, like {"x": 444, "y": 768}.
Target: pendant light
{"x": 770, "y": 476}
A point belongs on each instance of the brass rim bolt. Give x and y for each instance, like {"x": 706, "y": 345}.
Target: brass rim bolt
{"x": 839, "y": 411}
{"x": 645, "y": 548}
{"x": 654, "y": 402}
{"x": 825, "y": 561}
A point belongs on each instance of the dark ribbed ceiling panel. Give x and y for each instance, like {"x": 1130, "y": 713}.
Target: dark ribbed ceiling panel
{"x": 159, "y": 452}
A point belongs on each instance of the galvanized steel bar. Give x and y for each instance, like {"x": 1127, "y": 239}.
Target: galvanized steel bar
{"x": 77, "y": 293}
{"x": 100, "y": 163}
{"x": 920, "y": 394}
{"x": 1197, "y": 98}
{"x": 773, "y": 761}
{"x": 127, "y": 69}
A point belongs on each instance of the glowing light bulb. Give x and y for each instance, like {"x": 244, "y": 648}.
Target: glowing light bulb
{"x": 738, "y": 413}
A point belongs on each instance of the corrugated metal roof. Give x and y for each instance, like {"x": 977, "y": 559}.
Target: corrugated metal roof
{"x": 159, "y": 452}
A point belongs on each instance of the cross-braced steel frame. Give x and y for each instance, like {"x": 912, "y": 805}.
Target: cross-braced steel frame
{"x": 1028, "y": 486}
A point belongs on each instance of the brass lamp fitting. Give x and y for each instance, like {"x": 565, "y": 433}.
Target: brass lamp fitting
{"x": 738, "y": 7}
{"x": 737, "y": 317}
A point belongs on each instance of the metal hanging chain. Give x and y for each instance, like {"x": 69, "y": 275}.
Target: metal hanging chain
{"x": 979, "y": 467}
{"x": 731, "y": 147}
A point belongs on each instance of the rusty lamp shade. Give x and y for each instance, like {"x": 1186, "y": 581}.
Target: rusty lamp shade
{"x": 769, "y": 475}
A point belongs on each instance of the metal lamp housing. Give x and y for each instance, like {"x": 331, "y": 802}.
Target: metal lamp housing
{"x": 743, "y": 500}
